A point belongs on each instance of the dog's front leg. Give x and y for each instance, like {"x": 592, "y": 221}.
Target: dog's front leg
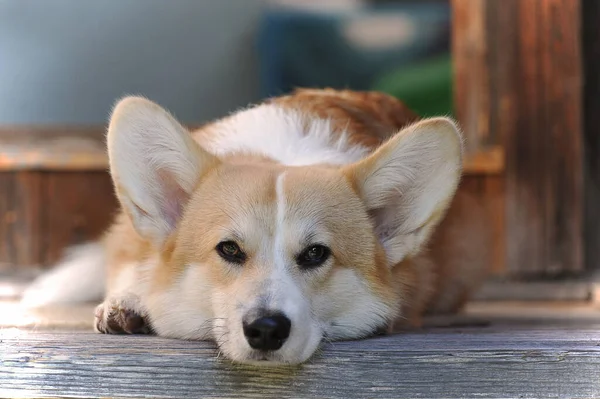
{"x": 121, "y": 314}
{"x": 123, "y": 311}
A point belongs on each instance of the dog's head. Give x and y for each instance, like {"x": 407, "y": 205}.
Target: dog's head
{"x": 269, "y": 260}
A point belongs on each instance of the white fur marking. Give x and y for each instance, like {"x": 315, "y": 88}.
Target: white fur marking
{"x": 284, "y": 135}
{"x": 278, "y": 245}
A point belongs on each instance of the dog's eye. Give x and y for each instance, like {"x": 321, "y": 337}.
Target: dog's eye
{"x": 231, "y": 252}
{"x": 313, "y": 256}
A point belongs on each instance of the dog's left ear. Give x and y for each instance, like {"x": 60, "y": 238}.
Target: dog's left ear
{"x": 155, "y": 165}
{"x": 408, "y": 183}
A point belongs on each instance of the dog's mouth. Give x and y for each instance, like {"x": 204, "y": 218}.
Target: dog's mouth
{"x": 263, "y": 357}
{"x": 268, "y": 359}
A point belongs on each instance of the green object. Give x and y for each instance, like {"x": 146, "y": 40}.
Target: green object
{"x": 425, "y": 87}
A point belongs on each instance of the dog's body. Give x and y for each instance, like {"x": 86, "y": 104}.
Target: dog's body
{"x": 297, "y": 219}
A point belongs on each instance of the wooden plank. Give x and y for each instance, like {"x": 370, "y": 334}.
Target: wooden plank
{"x": 29, "y": 206}
{"x": 41, "y": 213}
{"x": 544, "y": 171}
{"x": 79, "y": 206}
{"x": 528, "y": 61}
{"x": 591, "y": 137}
{"x": 477, "y": 211}
{"x": 489, "y": 161}
{"x": 532, "y": 315}
{"x": 494, "y": 200}
{"x": 570, "y": 290}
{"x": 564, "y": 121}
{"x": 7, "y": 181}
{"x": 471, "y": 71}
{"x": 72, "y": 148}
{"x": 52, "y": 148}
{"x": 482, "y": 98}
{"x": 20, "y": 208}
{"x": 448, "y": 364}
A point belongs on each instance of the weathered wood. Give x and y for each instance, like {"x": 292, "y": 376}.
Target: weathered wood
{"x": 42, "y": 212}
{"x": 52, "y": 148}
{"x": 591, "y": 99}
{"x": 482, "y": 98}
{"x": 523, "y": 315}
{"x": 79, "y": 206}
{"x": 544, "y": 170}
{"x": 20, "y": 208}
{"x": 519, "y": 83}
{"x": 471, "y": 71}
{"x": 495, "y": 364}
{"x": 476, "y": 210}
{"x": 494, "y": 200}
{"x": 535, "y": 291}
{"x": 29, "y": 205}
{"x": 485, "y": 162}
{"x": 6, "y": 207}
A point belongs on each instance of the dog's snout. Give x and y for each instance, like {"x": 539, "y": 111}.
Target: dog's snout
{"x": 268, "y": 333}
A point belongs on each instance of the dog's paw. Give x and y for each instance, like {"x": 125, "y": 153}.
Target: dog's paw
{"x": 118, "y": 317}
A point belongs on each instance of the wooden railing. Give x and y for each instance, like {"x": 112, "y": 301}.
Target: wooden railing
{"x": 79, "y": 148}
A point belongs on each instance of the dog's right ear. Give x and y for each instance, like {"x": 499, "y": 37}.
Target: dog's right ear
{"x": 408, "y": 183}
{"x": 155, "y": 165}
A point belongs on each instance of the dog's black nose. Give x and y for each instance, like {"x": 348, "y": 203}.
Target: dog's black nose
{"x": 268, "y": 333}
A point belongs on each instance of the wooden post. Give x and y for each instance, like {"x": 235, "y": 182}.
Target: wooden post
{"x": 471, "y": 72}
{"x": 591, "y": 99}
{"x": 518, "y": 83}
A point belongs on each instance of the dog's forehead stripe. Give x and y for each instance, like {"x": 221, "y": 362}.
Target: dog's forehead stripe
{"x": 278, "y": 242}
{"x": 278, "y": 282}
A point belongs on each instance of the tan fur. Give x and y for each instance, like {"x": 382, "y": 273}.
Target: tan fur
{"x": 369, "y": 117}
{"x": 239, "y": 187}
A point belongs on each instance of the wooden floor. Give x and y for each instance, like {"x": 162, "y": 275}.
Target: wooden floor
{"x": 501, "y": 351}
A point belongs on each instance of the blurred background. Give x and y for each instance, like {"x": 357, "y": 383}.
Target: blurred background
{"x": 66, "y": 62}
{"x": 519, "y": 75}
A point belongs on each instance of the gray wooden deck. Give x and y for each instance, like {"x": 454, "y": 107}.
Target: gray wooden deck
{"x": 541, "y": 362}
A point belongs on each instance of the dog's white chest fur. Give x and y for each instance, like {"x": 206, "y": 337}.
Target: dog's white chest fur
{"x": 284, "y": 135}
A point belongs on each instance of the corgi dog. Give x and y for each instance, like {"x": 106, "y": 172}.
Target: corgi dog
{"x": 299, "y": 219}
